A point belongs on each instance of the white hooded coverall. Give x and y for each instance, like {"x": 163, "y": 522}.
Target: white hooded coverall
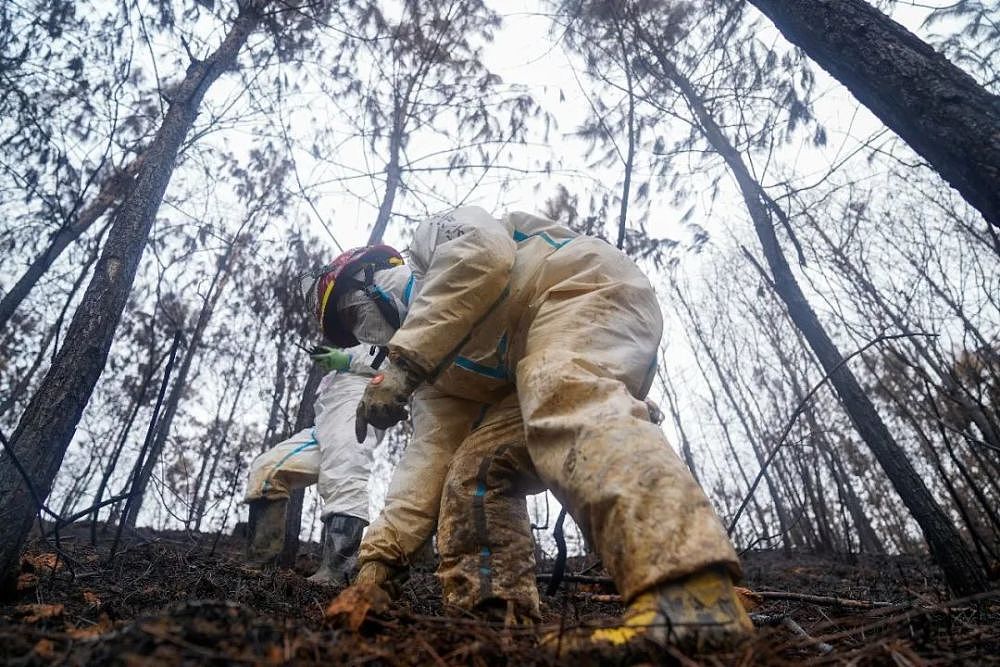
{"x": 539, "y": 344}
{"x": 328, "y": 452}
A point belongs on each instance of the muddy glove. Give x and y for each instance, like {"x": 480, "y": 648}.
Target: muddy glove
{"x": 384, "y": 402}
{"x": 330, "y": 358}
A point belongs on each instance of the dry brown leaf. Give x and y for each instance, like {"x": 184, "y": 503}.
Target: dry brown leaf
{"x": 45, "y": 649}
{"x": 275, "y": 655}
{"x": 748, "y": 598}
{"x": 102, "y": 626}
{"x": 26, "y": 581}
{"x": 90, "y": 597}
{"x": 32, "y": 613}
{"x": 355, "y": 602}
{"x": 44, "y": 561}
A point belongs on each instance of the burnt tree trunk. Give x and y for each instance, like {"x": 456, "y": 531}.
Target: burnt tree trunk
{"x": 934, "y": 106}
{"x": 293, "y": 518}
{"x": 49, "y": 422}
{"x": 947, "y": 547}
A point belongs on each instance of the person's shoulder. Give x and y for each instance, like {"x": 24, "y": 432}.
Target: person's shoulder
{"x": 464, "y": 215}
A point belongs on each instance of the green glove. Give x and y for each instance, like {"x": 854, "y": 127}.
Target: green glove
{"x": 331, "y": 358}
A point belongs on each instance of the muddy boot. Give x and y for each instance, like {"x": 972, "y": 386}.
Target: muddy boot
{"x": 695, "y": 613}
{"x": 267, "y": 532}
{"x": 341, "y": 539}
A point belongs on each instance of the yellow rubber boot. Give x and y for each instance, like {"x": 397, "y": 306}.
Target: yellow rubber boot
{"x": 700, "y": 612}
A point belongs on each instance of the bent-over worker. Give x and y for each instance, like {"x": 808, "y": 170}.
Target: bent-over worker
{"x": 528, "y": 350}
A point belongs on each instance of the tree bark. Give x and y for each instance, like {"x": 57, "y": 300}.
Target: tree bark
{"x": 49, "y": 422}
{"x": 947, "y": 547}
{"x": 934, "y": 106}
{"x": 293, "y": 517}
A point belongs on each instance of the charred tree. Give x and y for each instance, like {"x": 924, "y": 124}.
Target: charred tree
{"x": 215, "y": 290}
{"x": 49, "y": 422}
{"x": 946, "y": 545}
{"x": 934, "y": 106}
{"x": 293, "y": 518}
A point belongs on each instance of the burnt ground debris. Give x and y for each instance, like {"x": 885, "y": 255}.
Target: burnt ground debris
{"x": 176, "y": 598}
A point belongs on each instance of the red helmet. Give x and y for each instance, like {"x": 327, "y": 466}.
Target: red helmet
{"x": 323, "y": 288}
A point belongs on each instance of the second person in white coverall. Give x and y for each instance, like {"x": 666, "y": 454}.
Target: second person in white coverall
{"x": 527, "y": 350}
{"x": 326, "y": 454}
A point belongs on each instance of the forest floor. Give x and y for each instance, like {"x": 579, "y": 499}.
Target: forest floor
{"x": 171, "y": 598}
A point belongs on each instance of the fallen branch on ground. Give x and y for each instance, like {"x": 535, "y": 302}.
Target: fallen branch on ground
{"x": 764, "y": 595}
{"x": 788, "y": 622}
{"x": 578, "y": 579}
{"x": 822, "y": 600}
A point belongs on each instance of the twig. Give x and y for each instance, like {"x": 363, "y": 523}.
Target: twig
{"x": 430, "y": 649}
{"x": 65, "y": 521}
{"x": 612, "y": 598}
{"x": 40, "y": 505}
{"x": 882, "y": 620}
{"x": 822, "y": 600}
{"x": 172, "y": 355}
{"x": 780, "y": 533}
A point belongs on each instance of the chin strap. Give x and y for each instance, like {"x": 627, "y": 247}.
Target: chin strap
{"x": 380, "y": 352}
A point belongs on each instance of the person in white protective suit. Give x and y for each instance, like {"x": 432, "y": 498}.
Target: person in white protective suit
{"x": 527, "y": 350}
{"x": 327, "y": 454}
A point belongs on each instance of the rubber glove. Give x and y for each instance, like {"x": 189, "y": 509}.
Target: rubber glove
{"x": 331, "y": 358}
{"x": 384, "y": 401}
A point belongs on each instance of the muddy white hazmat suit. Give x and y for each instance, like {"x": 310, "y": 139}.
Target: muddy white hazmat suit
{"x": 326, "y": 454}
{"x": 529, "y": 349}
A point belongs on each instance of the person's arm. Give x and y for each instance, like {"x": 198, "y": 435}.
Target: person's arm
{"x": 463, "y": 261}
{"x": 352, "y": 360}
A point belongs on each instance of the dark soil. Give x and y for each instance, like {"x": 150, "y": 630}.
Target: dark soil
{"x": 170, "y": 598}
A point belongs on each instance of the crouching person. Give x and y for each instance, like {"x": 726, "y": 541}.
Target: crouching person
{"x": 327, "y": 454}
{"x": 527, "y": 351}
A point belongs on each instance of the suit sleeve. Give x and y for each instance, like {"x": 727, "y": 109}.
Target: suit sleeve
{"x": 463, "y": 261}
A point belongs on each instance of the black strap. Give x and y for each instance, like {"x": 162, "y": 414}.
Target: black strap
{"x": 380, "y": 352}
{"x": 384, "y": 304}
